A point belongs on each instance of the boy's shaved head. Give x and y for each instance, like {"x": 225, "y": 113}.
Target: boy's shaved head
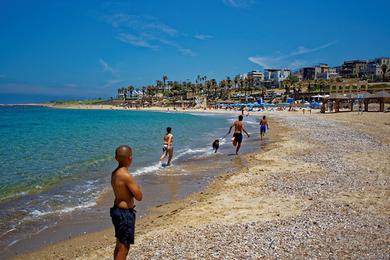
{"x": 123, "y": 153}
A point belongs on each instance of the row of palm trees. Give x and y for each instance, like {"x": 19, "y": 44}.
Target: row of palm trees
{"x": 224, "y": 89}
{"x": 210, "y": 88}
{"x": 126, "y": 91}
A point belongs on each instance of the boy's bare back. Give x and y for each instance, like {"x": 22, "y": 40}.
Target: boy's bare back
{"x": 238, "y": 126}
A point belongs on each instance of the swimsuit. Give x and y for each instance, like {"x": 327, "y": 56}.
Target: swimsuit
{"x": 238, "y": 137}
{"x": 124, "y": 224}
{"x": 263, "y": 129}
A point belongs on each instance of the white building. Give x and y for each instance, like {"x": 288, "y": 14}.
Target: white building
{"x": 256, "y": 78}
{"x": 276, "y": 75}
{"x": 256, "y": 75}
{"x": 374, "y": 67}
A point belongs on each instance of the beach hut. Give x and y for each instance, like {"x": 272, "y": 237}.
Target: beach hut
{"x": 381, "y": 98}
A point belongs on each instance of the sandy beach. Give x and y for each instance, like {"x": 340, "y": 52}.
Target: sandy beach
{"x": 319, "y": 188}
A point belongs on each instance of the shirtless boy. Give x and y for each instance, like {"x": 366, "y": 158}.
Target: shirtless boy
{"x": 238, "y": 129}
{"x": 168, "y": 146}
{"x": 122, "y": 213}
{"x": 263, "y": 127}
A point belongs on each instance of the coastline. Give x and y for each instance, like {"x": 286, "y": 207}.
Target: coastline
{"x": 150, "y": 109}
{"x": 188, "y": 176}
{"x": 299, "y": 202}
{"x": 98, "y": 239}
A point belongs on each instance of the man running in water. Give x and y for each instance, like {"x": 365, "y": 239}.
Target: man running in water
{"x": 263, "y": 127}
{"x": 168, "y": 146}
{"x": 238, "y": 129}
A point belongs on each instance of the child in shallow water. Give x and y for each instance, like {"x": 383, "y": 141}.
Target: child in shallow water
{"x": 263, "y": 127}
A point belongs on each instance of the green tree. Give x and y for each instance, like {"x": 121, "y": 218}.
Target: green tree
{"x": 130, "y": 90}
{"x": 164, "y": 78}
{"x": 385, "y": 69}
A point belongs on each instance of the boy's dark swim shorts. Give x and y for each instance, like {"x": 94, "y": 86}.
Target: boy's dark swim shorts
{"x": 238, "y": 137}
{"x": 124, "y": 223}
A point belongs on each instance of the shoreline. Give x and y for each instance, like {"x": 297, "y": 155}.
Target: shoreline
{"x": 290, "y": 200}
{"x": 183, "y": 182}
{"x": 99, "y": 239}
{"x": 150, "y": 109}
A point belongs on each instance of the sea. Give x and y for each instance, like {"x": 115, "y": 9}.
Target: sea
{"x": 56, "y": 164}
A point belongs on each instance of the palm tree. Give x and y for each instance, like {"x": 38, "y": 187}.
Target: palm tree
{"x": 242, "y": 83}
{"x": 385, "y": 69}
{"x": 236, "y": 82}
{"x": 160, "y": 85}
{"x": 126, "y": 94}
{"x": 322, "y": 85}
{"x": 214, "y": 85}
{"x": 263, "y": 91}
{"x": 246, "y": 86}
{"x": 222, "y": 87}
{"x": 287, "y": 86}
{"x": 208, "y": 86}
{"x": 164, "y": 78}
{"x": 130, "y": 89}
{"x": 192, "y": 87}
{"x": 229, "y": 84}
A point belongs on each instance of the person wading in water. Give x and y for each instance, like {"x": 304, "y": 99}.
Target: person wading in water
{"x": 238, "y": 129}
{"x": 168, "y": 146}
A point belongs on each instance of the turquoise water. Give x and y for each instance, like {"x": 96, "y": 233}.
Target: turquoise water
{"x": 42, "y": 147}
{"x": 55, "y": 161}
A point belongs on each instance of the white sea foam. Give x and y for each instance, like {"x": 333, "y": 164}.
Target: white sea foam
{"x": 40, "y": 230}
{"x": 158, "y": 167}
{"x": 148, "y": 169}
{"x": 252, "y": 122}
{"x": 8, "y": 231}
{"x": 13, "y": 242}
{"x": 204, "y": 114}
{"x": 38, "y": 213}
{"x": 190, "y": 151}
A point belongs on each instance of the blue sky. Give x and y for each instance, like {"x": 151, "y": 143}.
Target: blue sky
{"x": 88, "y": 49}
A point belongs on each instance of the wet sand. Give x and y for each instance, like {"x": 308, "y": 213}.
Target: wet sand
{"x": 319, "y": 188}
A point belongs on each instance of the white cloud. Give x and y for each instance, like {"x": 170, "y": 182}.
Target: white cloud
{"x": 262, "y": 61}
{"x": 136, "y": 40}
{"x": 202, "y": 36}
{"x": 285, "y": 60}
{"x": 139, "y": 23}
{"x": 187, "y": 52}
{"x": 146, "y": 32}
{"x": 239, "y": 3}
{"x": 303, "y": 50}
{"x": 106, "y": 67}
{"x": 181, "y": 49}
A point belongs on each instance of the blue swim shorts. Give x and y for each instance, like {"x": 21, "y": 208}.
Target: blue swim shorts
{"x": 263, "y": 129}
{"x": 124, "y": 224}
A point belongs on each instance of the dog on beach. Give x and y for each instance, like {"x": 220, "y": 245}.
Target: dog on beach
{"x": 215, "y": 145}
